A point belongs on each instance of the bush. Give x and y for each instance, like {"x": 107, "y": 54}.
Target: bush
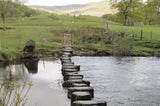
{"x": 112, "y": 17}
{"x": 122, "y": 45}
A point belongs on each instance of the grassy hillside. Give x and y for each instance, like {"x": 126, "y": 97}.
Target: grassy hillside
{"x": 48, "y": 30}
{"x": 97, "y": 8}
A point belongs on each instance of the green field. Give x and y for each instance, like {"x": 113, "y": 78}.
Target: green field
{"x": 48, "y": 29}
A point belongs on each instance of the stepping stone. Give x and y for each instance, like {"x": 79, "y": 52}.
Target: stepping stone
{"x": 67, "y": 53}
{"x": 66, "y": 77}
{"x": 75, "y": 78}
{"x": 80, "y": 85}
{"x": 80, "y": 96}
{"x": 68, "y": 71}
{"x": 68, "y": 49}
{"x": 89, "y": 103}
{"x": 68, "y": 63}
{"x": 65, "y": 59}
{"x": 71, "y": 67}
{"x": 80, "y": 89}
{"x": 69, "y": 83}
{"x": 76, "y": 72}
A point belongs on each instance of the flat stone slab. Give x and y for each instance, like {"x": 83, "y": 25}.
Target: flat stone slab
{"x": 80, "y": 96}
{"x": 68, "y": 63}
{"x": 68, "y": 74}
{"x": 71, "y": 67}
{"x": 80, "y": 85}
{"x": 69, "y": 83}
{"x": 89, "y": 103}
{"x": 80, "y": 89}
{"x": 67, "y": 53}
{"x": 68, "y": 71}
{"x": 65, "y": 59}
{"x": 76, "y": 72}
{"x": 75, "y": 78}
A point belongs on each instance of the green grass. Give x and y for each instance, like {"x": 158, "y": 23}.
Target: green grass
{"x": 48, "y": 29}
{"x": 147, "y": 30}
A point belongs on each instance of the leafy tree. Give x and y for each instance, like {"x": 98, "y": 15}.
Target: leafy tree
{"x": 8, "y": 7}
{"x": 129, "y": 11}
{"x": 152, "y": 12}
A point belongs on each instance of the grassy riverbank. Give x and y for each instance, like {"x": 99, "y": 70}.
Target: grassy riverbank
{"x": 48, "y": 30}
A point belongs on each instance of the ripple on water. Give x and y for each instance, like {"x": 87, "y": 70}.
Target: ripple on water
{"x": 130, "y": 81}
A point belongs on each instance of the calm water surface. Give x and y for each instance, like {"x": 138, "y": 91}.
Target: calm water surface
{"x": 46, "y": 89}
{"x": 130, "y": 81}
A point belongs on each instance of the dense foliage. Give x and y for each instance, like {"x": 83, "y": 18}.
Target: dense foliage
{"x": 134, "y": 12}
{"x": 13, "y": 8}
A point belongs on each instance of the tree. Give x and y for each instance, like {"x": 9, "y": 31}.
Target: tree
{"x": 4, "y": 8}
{"x": 152, "y": 12}
{"x": 7, "y": 7}
{"x": 129, "y": 10}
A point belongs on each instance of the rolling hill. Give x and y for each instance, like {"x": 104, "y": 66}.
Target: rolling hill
{"x": 94, "y": 8}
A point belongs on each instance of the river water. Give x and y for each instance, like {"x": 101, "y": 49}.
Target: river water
{"x": 47, "y": 81}
{"x": 130, "y": 81}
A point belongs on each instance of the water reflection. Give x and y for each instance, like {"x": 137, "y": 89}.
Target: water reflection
{"x": 31, "y": 65}
{"x": 46, "y": 82}
{"x": 19, "y": 70}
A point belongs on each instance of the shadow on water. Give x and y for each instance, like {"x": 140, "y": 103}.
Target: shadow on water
{"x": 3, "y": 64}
{"x": 31, "y": 65}
{"x": 19, "y": 69}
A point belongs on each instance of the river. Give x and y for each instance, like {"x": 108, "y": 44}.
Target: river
{"x": 129, "y": 81}
{"x": 47, "y": 81}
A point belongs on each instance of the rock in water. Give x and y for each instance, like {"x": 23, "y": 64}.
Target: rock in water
{"x": 29, "y": 51}
{"x": 30, "y": 47}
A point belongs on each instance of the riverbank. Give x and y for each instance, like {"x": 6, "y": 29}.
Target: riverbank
{"x": 95, "y": 52}
{"x": 47, "y": 30}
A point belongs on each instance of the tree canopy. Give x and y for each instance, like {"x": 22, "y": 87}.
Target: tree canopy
{"x": 13, "y": 8}
{"x": 131, "y": 12}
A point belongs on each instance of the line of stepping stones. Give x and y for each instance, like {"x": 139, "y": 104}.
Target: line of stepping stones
{"x": 79, "y": 90}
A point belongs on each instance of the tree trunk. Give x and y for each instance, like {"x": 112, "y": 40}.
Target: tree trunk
{"x": 125, "y": 20}
{"x": 4, "y": 21}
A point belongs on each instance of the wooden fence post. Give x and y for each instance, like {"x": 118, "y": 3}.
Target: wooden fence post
{"x": 141, "y": 36}
{"x": 151, "y": 35}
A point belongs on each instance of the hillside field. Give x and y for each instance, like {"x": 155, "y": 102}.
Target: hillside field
{"x": 48, "y": 30}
